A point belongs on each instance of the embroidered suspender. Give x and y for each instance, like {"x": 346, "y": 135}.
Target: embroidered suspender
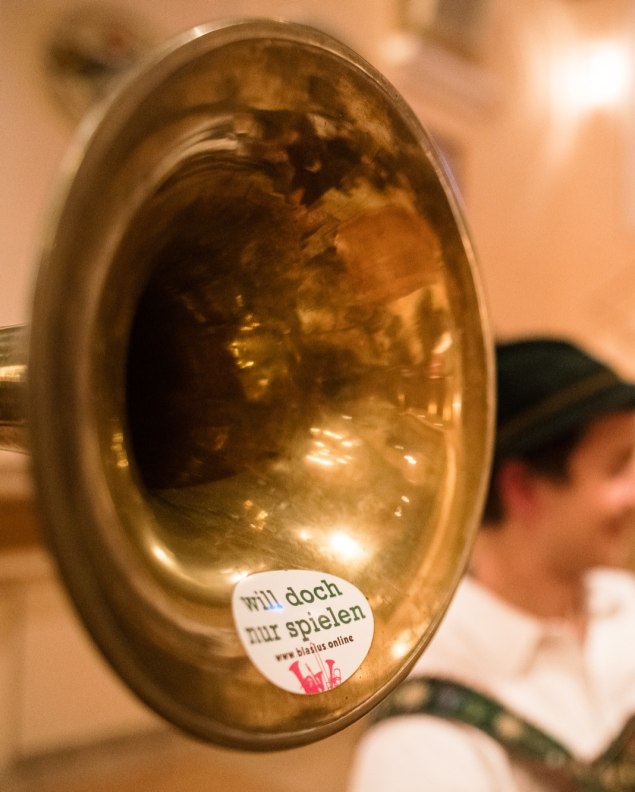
{"x": 614, "y": 771}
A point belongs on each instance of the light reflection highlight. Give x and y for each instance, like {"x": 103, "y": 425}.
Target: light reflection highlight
{"x": 329, "y": 449}
{"x": 345, "y": 547}
{"x": 399, "y": 649}
{"x": 162, "y": 556}
{"x": 118, "y": 448}
{"x": 238, "y": 575}
{"x": 338, "y": 544}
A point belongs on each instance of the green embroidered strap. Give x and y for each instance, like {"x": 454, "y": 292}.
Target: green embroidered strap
{"x": 617, "y": 764}
{"x": 612, "y": 772}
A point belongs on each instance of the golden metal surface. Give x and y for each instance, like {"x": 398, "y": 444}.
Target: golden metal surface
{"x": 258, "y": 343}
{"x": 13, "y": 373}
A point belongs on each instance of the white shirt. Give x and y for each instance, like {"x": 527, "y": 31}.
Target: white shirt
{"x": 581, "y": 693}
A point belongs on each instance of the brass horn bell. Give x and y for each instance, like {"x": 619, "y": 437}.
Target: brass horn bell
{"x": 259, "y": 390}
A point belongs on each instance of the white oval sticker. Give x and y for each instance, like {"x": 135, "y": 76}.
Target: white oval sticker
{"x": 305, "y": 631}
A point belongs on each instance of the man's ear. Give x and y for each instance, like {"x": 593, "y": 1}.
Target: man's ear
{"x": 517, "y": 489}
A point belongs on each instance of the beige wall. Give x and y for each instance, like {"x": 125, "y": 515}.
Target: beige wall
{"x": 551, "y": 199}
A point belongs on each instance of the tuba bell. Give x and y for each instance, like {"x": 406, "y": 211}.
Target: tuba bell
{"x": 256, "y": 384}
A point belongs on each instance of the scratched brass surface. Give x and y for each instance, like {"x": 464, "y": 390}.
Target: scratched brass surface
{"x": 257, "y": 343}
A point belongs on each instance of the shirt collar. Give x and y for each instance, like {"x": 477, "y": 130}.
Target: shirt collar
{"x": 606, "y": 591}
{"x": 502, "y": 638}
{"x": 511, "y": 647}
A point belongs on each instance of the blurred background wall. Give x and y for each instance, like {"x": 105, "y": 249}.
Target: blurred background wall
{"x": 532, "y": 102}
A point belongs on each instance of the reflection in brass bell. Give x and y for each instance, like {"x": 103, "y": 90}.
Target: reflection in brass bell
{"x": 257, "y": 345}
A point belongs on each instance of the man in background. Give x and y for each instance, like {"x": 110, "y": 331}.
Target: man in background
{"x": 529, "y": 682}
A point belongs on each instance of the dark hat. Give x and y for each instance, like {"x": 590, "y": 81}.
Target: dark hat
{"x": 546, "y": 388}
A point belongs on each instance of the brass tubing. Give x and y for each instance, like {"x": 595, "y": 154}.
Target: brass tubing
{"x": 13, "y": 388}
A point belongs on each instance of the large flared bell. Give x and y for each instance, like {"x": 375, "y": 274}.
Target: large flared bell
{"x": 259, "y": 384}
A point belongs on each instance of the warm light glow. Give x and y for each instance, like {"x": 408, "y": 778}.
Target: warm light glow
{"x": 607, "y": 74}
{"x": 320, "y": 460}
{"x": 595, "y": 75}
{"x": 327, "y": 448}
{"x": 162, "y": 555}
{"x": 13, "y": 373}
{"x": 237, "y": 576}
{"x": 119, "y": 450}
{"x": 443, "y": 344}
{"x": 399, "y": 649}
{"x": 345, "y": 547}
{"x": 259, "y": 521}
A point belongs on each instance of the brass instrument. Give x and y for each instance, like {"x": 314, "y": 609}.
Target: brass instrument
{"x": 257, "y": 345}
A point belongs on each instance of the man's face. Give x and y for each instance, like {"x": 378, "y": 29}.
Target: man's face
{"x": 589, "y": 520}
